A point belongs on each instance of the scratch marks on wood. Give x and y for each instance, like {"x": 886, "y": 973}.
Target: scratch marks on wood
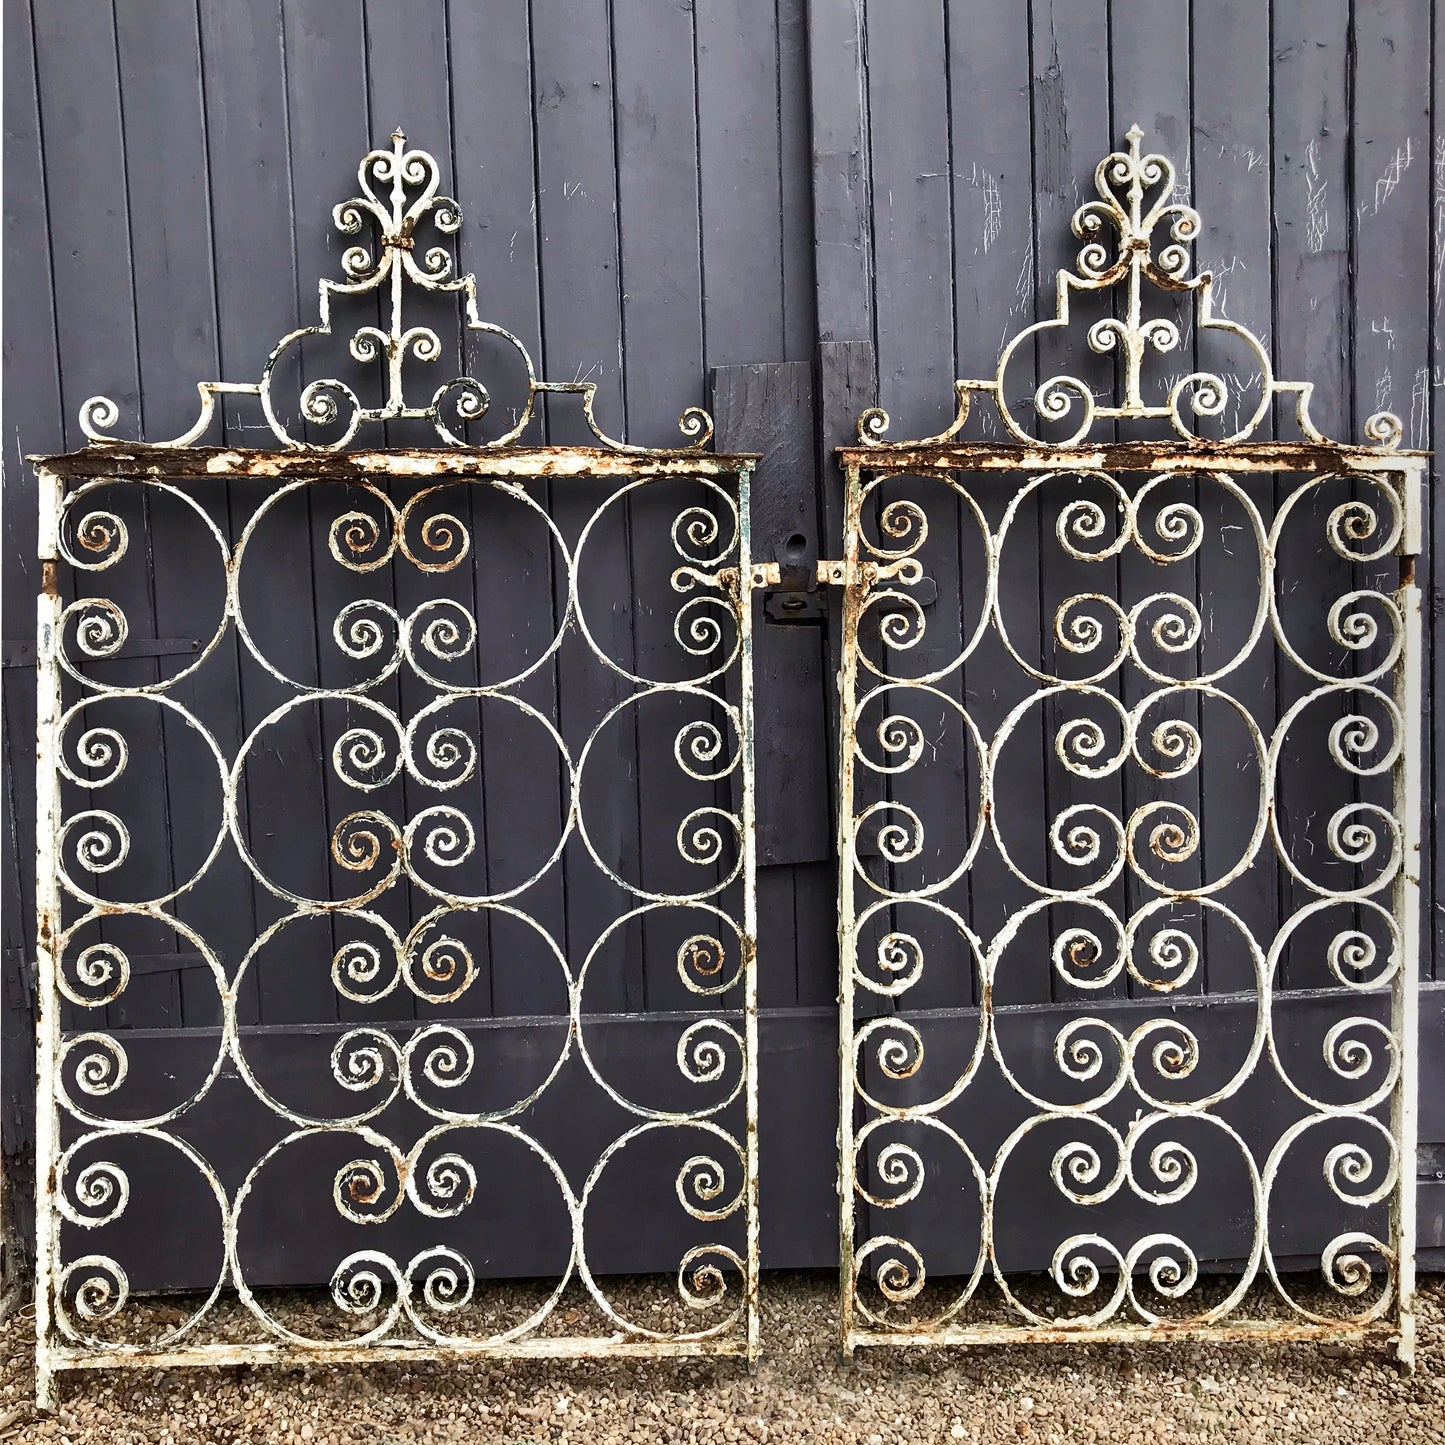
{"x": 992, "y": 204}
{"x": 1399, "y": 164}
{"x": 1317, "y": 218}
{"x": 1022, "y": 304}
{"x": 981, "y": 180}
{"x": 1420, "y": 408}
{"x": 1438, "y": 219}
{"x": 1222, "y": 271}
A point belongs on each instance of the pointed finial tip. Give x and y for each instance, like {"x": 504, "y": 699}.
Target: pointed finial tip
{"x": 398, "y": 135}
{"x": 1134, "y": 133}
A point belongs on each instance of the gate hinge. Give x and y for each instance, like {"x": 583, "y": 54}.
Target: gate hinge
{"x": 22, "y": 651}
{"x": 23, "y": 976}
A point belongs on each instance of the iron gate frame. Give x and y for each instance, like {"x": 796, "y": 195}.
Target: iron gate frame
{"x": 1137, "y": 198}
{"x": 399, "y": 196}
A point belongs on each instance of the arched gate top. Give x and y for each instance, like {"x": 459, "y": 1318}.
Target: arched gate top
{"x": 402, "y": 258}
{"x": 1137, "y": 238}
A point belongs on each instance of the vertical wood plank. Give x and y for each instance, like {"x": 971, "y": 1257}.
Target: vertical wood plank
{"x": 258, "y": 301}
{"x": 165, "y": 135}
{"x": 328, "y": 130}
{"x": 86, "y": 170}
{"x": 1150, "y": 86}
{"x": 912, "y": 165}
{"x": 409, "y": 79}
{"x": 800, "y": 314}
{"x": 910, "y": 162}
{"x": 581, "y": 331}
{"x": 1232, "y": 192}
{"x": 1390, "y": 261}
{"x": 1072, "y": 129}
{"x": 493, "y": 137}
{"x": 661, "y": 349}
{"x": 1313, "y": 192}
{"x": 842, "y": 224}
{"x": 739, "y": 166}
{"x": 994, "y": 286}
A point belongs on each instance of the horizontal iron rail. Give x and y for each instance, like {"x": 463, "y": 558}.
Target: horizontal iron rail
{"x": 547, "y": 1347}
{"x": 166, "y": 463}
{"x": 1256, "y": 1332}
{"x": 1137, "y": 456}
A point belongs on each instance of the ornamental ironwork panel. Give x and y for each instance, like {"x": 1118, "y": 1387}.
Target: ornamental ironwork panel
{"x": 430, "y": 646}
{"x": 1151, "y": 774}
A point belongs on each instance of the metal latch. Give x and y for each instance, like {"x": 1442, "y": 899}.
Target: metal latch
{"x": 907, "y": 570}
{"x": 795, "y": 596}
{"x": 792, "y": 593}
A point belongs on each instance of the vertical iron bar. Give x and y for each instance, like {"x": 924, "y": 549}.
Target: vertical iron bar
{"x": 750, "y": 903}
{"x": 853, "y": 590}
{"x": 1405, "y": 993}
{"x": 48, "y": 926}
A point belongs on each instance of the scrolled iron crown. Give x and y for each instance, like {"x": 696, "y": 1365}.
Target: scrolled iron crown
{"x": 400, "y": 199}
{"x": 1135, "y": 232}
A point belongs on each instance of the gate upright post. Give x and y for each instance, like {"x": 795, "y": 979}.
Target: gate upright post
{"x": 1405, "y": 991}
{"x": 749, "y": 809}
{"x": 847, "y": 849}
{"x": 48, "y": 924}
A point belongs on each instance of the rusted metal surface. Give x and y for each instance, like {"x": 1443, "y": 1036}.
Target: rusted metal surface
{"x": 388, "y": 1307}
{"x": 1137, "y": 456}
{"x": 127, "y": 462}
{"x": 1108, "y": 896}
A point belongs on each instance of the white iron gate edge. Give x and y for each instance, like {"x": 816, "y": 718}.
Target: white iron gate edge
{"x": 47, "y": 907}
{"x": 857, "y": 579}
{"x": 1405, "y": 993}
{"x": 737, "y": 582}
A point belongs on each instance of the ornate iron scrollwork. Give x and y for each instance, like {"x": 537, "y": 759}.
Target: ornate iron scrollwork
{"x": 965, "y": 1121}
{"x": 401, "y": 201}
{"x": 413, "y": 888}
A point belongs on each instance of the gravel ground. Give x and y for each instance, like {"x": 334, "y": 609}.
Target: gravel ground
{"x": 801, "y": 1393}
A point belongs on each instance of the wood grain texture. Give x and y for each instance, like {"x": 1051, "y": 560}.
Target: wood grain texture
{"x": 652, "y": 193}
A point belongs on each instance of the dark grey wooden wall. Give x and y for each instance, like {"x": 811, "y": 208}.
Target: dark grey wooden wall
{"x": 656, "y": 192}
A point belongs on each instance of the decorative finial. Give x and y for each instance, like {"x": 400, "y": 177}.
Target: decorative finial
{"x": 401, "y": 206}
{"x": 1136, "y": 241}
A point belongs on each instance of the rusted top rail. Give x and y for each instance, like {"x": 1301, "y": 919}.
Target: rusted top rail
{"x": 126, "y": 463}
{"x": 1168, "y": 454}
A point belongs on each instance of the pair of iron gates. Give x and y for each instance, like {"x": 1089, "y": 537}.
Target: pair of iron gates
{"x": 393, "y": 703}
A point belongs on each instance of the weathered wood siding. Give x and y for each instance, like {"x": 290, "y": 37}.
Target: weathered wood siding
{"x": 657, "y": 192}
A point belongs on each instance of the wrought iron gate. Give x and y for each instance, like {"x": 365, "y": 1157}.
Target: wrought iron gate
{"x": 397, "y": 1138}
{"x": 1185, "y": 829}
{"x": 1155, "y": 866}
